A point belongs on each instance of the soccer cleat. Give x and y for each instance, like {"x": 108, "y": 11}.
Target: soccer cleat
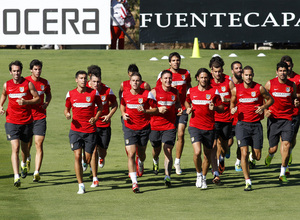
{"x": 167, "y": 181}
{"x": 135, "y": 188}
{"x": 95, "y": 183}
{"x": 238, "y": 167}
{"x": 252, "y": 164}
{"x": 84, "y": 166}
{"x": 155, "y": 168}
{"x": 204, "y": 185}
{"x": 283, "y": 179}
{"x": 177, "y": 169}
{"x": 141, "y": 169}
{"x": 227, "y": 155}
{"x": 268, "y": 160}
{"x": 36, "y": 177}
{"x": 23, "y": 172}
{"x": 221, "y": 167}
{"x": 248, "y": 187}
{"x": 17, "y": 182}
{"x": 287, "y": 172}
{"x": 199, "y": 181}
{"x": 216, "y": 180}
{"x": 101, "y": 162}
{"x": 290, "y": 160}
{"x": 81, "y": 190}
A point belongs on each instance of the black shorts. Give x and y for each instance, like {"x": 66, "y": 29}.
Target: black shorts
{"x": 249, "y": 134}
{"x": 182, "y": 119}
{"x": 206, "y": 137}
{"x": 21, "y": 132}
{"x": 103, "y": 137}
{"x": 139, "y": 137}
{"x": 223, "y": 130}
{"x": 87, "y": 141}
{"x": 232, "y": 134}
{"x": 159, "y": 137}
{"x": 296, "y": 123}
{"x": 39, "y": 127}
{"x": 279, "y": 128}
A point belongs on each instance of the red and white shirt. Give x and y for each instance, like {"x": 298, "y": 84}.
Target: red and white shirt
{"x": 247, "y": 102}
{"x": 166, "y": 121}
{"x": 179, "y": 81}
{"x": 296, "y": 79}
{"x": 202, "y": 117}
{"x": 83, "y": 108}
{"x": 282, "y": 93}
{"x": 15, "y": 113}
{"x": 137, "y": 120}
{"x": 42, "y": 87}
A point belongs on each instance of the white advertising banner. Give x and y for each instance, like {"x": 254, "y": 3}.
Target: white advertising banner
{"x": 67, "y": 22}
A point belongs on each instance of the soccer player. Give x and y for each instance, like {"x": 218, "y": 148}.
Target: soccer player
{"x": 181, "y": 80}
{"x": 82, "y": 101}
{"x": 136, "y": 106}
{"x": 202, "y": 101}
{"x": 280, "y": 126}
{"x": 236, "y": 70}
{"x": 21, "y": 94}
{"x": 109, "y": 107}
{"x": 39, "y": 115}
{"x": 294, "y": 77}
{"x": 223, "y": 120}
{"x": 163, "y": 129}
{"x": 247, "y": 99}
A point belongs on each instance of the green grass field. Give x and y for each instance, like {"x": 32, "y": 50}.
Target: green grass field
{"x": 55, "y": 197}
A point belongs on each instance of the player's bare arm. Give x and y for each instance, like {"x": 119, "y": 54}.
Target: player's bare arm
{"x": 178, "y": 105}
{"x": 35, "y": 96}
{"x": 125, "y": 116}
{"x": 114, "y": 107}
{"x": 266, "y": 96}
{"x": 188, "y": 107}
{"x": 233, "y": 107}
{"x": 47, "y": 100}
{"x": 2, "y": 99}
{"x": 67, "y": 113}
{"x": 147, "y": 86}
{"x": 295, "y": 98}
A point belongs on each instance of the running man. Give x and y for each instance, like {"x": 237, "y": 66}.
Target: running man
{"x": 82, "y": 101}
{"x": 39, "y": 115}
{"x": 21, "y": 95}
{"x": 280, "y": 116}
{"x": 163, "y": 129}
{"x": 202, "y": 101}
{"x": 136, "y": 106}
{"x": 247, "y": 99}
{"x": 181, "y": 80}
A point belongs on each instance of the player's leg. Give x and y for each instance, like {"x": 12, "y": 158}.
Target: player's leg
{"x": 179, "y": 147}
{"x": 28, "y": 160}
{"x": 155, "y": 140}
{"x": 104, "y": 135}
{"x": 39, "y": 140}
{"x": 168, "y": 163}
{"x": 94, "y": 166}
{"x": 245, "y": 167}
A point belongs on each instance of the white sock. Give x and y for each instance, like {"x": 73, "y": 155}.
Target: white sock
{"x": 155, "y": 161}
{"x": 35, "y": 172}
{"x": 221, "y": 158}
{"x": 17, "y": 176}
{"x": 140, "y": 162}
{"x": 133, "y": 177}
{"x": 29, "y": 158}
{"x": 282, "y": 170}
{"x": 250, "y": 157}
{"x": 204, "y": 177}
{"x": 237, "y": 162}
{"x": 199, "y": 174}
{"x": 216, "y": 173}
{"x": 177, "y": 161}
{"x": 248, "y": 181}
{"x": 23, "y": 164}
{"x": 81, "y": 185}
{"x": 95, "y": 178}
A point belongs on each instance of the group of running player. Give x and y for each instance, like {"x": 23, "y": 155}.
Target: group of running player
{"x": 221, "y": 107}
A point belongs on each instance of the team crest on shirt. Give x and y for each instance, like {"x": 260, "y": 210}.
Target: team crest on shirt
{"x": 287, "y": 89}
{"x": 88, "y": 98}
{"x": 223, "y": 88}
{"x": 140, "y": 100}
{"x": 208, "y": 96}
{"x": 42, "y": 87}
{"x": 183, "y": 77}
{"x": 103, "y": 97}
{"x": 173, "y": 97}
{"x": 253, "y": 94}
{"x": 21, "y": 89}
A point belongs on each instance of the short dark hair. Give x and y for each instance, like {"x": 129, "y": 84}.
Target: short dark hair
{"x": 136, "y": 74}
{"x": 132, "y": 68}
{"x": 174, "y": 54}
{"x": 35, "y": 62}
{"x": 15, "y": 63}
{"x": 201, "y": 70}
{"x": 282, "y": 64}
{"x": 235, "y": 62}
{"x": 165, "y": 72}
{"x": 94, "y": 70}
{"x": 248, "y": 68}
{"x": 79, "y": 73}
{"x": 286, "y": 58}
{"x": 216, "y": 59}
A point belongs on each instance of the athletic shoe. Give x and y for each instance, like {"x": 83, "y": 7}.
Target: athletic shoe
{"x": 28, "y": 164}
{"x": 248, "y": 187}
{"x": 221, "y": 167}
{"x": 238, "y": 167}
{"x": 135, "y": 188}
{"x": 290, "y": 160}
{"x": 101, "y": 162}
{"x": 155, "y": 168}
{"x": 177, "y": 169}
{"x": 216, "y": 180}
{"x": 141, "y": 169}
{"x": 252, "y": 164}
{"x": 137, "y": 165}
{"x": 167, "y": 181}
{"x": 283, "y": 179}
{"x": 199, "y": 181}
{"x": 227, "y": 155}
{"x": 287, "y": 172}
{"x": 23, "y": 172}
{"x": 17, "y": 182}
{"x": 81, "y": 190}
{"x": 204, "y": 185}
{"x": 268, "y": 160}
{"x": 84, "y": 166}
{"x": 95, "y": 183}
{"x": 36, "y": 177}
